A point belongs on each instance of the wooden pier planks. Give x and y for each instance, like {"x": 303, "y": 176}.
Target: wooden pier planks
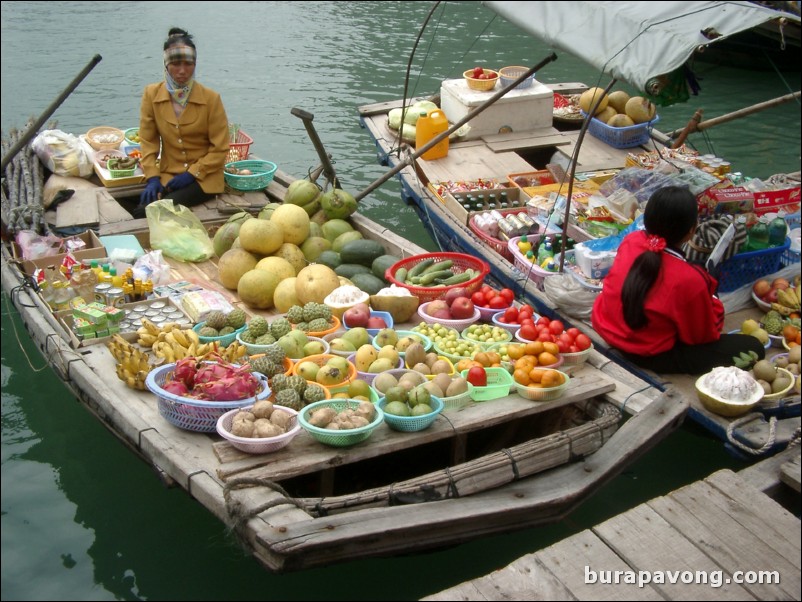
{"x": 722, "y": 523}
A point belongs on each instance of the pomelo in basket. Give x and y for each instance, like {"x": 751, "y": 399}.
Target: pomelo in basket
{"x": 617, "y": 100}
{"x": 640, "y": 109}
{"x": 589, "y": 97}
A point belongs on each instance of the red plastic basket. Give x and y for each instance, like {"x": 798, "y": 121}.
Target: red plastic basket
{"x": 499, "y": 246}
{"x": 239, "y": 150}
{"x": 461, "y": 262}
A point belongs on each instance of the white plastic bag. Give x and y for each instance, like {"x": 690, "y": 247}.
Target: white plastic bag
{"x": 151, "y": 266}
{"x": 63, "y": 154}
{"x": 568, "y": 296}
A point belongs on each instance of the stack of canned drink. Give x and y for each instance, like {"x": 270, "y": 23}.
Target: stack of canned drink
{"x": 158, "y": 312}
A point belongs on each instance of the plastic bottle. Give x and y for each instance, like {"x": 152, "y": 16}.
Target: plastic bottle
{"x": 524, "y": 245}
{"x": 758, "y": 236}
{"x": 544, "y": 252}
{"x": 778, "y": 229}
{"x": 428, "y": 126}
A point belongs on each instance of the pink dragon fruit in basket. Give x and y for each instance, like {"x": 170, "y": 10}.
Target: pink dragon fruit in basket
{"x": 231, "y": 388}
{"x": 212, "y": 381}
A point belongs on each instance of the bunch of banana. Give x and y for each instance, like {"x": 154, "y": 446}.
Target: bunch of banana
{"x": 233, "y": 353}
{"x": 133, "y": 364}
{"x": 149, "y": 332}
{"x": 745, "y": 360}
{"x": 788, "y": 301}
{"x": 176, "y": 344}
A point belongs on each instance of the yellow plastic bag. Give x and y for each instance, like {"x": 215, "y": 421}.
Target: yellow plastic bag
{"x": 177, "y": 232}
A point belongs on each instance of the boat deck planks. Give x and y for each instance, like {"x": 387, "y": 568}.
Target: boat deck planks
{"x": 722, "y": 523}
{"x": 790, "y": 473}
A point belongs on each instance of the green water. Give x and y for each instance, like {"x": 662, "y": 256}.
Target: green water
{"x": 82, "y": 517}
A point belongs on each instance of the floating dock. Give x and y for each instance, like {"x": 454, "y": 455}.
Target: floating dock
{"x": 722, "y": 538}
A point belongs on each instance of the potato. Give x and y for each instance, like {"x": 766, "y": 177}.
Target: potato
{"x": 366, "y": 411}
{"x": 281, "y": 419}
{"x": 322, "y": 417}
{"x": 243, "y": 428}
{"x": 359, "y": 421}
{"x": 265, "y": 428}
{"x": 262, "y": 409}
{"x": 243, "y": 415}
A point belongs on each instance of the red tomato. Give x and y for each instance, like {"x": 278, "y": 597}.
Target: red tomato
{"x": 477, "y": 376}
{"x": 573, "y": 349}
{"x": 566, "y": 338}
{"x": 582, "y": 341}
{"x": 485, "y": 288}
{"x": 556, "y": 327}
{"x": 526, "y": 321}
{"x": 526, "y": 309}
{"x": 528, "y": 332}
{"x": 511, "y": 314}
{"x": 543, "y": 320}
{"x": 498, "y": 302}
{"x": 561, "y": 345}
{"x": 573, "y": 331}
{"x": 490, "y": 295}
{"x": 545, "y": 336}
{"x": 478, "y": 298}
{"x": 508, "y": 295}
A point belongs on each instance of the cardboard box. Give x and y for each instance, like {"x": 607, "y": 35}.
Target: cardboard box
{"x": 94, "y": 250}
{"x": 520, "y": 110}
{"x": 454, "y": 201}
{"x": 720, "y": 200}
{"x": 772, "y": 201}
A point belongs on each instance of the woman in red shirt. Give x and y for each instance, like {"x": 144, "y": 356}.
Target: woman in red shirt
{"x": 660, "y": 311}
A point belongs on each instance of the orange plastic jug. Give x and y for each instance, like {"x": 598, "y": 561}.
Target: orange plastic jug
{"x": 428, "y": 127}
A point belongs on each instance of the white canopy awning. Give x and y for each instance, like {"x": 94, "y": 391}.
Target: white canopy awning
{"x": 634, "y": 41}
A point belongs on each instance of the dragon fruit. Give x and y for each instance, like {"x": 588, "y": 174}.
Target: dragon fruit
{"x": 185, "y": 371}
{"x": 231, "y": 388}
{"x": 177, "y": 387}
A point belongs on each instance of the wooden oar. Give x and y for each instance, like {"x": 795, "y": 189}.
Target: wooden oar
{"x": 31, "y": 131}
{"x": 703, "y": 125}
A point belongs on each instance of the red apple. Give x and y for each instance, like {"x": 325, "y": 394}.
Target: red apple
{"x": 462, "y": 308}
{"x": 375, "y": 322}
{"x": 435, "y": 306}
{"x": 455, "y": 293}
{"x": 442, "y": 314}
{"x": 771, "y": 296}
{"x": 357, "y": 316}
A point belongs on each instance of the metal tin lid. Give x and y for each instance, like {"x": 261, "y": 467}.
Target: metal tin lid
{"x": 141, "y": 309}
{"x": 115, "y": 291}
{"x": 157, "y": 319}
{"x": 152, "y": 313}
{"x": 183, "y": 321}
{"x": 158, "y": 305}
{"x": 103, "y": 286}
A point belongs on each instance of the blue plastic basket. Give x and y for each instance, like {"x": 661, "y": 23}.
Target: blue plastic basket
{"x": 411, "y": 424}
{"x": 744, "y": 268}
{"x": 195, "y": 414}
{"x": 626, "y": 137}
{"x": 263, "y": 172}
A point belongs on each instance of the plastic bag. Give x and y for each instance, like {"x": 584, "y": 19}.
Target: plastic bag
{"x": 569, "y": 296}
{"x": 34, "y": 245}
{"x": 178, "y": 232}
{"x": 151, "y": 266}
{"x": 63, "y": 154}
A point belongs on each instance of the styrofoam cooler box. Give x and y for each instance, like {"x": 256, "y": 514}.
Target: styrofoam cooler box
{"x": 519, "y": 110}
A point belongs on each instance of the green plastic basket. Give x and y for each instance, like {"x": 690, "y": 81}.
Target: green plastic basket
{"x": 263, "y": 172}
{"x": 339, "y": 438}
{"x": 411, "y": 424}
{"x": 499, "y": 382}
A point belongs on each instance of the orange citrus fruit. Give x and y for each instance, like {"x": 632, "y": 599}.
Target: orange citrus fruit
{"x": 547, "y": 359}
{"x": 521, "y": 376}
{"x": 552, "y": 378}
{"x": 551, "y": 347}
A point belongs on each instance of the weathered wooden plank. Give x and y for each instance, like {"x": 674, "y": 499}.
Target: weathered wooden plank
{"x": 646, "y": 542}
{"x": 765, "y": 475}
{"x": 525, "y": 579}
{"x": 471, "y": 162}
{"x": 79, "y": 210}
{"x": 757, "y": 513}
{"x": 790, "y": 473}
{"x": 581, "y": 562}
{"x": 109, "y": 209}
{"x": 714, "y": 532}
{"x": 521, "y": 142}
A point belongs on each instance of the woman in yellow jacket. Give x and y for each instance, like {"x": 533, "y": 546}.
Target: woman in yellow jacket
{"x": 188, "y": 123}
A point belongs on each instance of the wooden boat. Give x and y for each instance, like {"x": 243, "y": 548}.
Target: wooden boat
{"x": 488, "y": 468}
{"x": 496, "y": 156}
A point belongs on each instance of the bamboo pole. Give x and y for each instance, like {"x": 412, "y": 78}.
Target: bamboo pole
{"x": 740, "y": 113}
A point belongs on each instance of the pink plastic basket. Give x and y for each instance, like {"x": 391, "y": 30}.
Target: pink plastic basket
{"x": 257, "y": 445}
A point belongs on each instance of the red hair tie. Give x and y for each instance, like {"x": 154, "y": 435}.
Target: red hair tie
{"x": 655, "y": 243}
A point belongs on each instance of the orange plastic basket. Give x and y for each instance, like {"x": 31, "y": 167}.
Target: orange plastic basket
{"x": 239, "y": 150}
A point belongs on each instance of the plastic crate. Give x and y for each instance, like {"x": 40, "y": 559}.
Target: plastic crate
{"x": 744, "y": 268}
{"x": 240, "y": 148}
{"x": 626, "y": 137}
{"x": 499, "y": 382}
